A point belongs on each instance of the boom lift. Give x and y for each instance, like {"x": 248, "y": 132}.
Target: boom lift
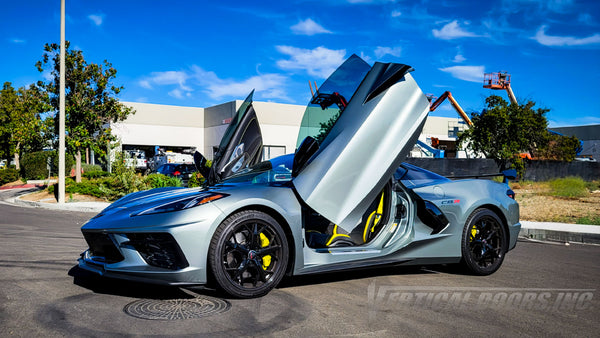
{"x": 433, "y": 149}
{"x": 454, "y": 104}
{"x": 499, "y": 80}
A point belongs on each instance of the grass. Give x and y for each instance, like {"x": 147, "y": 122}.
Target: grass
{"x": 565, "y": 200}
{"x": 591, "y": 220}
{"x": 570, "y": 187}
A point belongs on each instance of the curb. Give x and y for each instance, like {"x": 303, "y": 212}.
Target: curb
{"x": 560, "y": 232}
{"x": 76, "y": 206}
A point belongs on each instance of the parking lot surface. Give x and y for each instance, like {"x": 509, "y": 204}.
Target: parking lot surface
{"x": 542, "y": 289}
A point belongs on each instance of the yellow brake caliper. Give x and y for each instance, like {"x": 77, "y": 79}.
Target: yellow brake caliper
{"x": 473, "y": 233}
{"x": 266, "y": 260}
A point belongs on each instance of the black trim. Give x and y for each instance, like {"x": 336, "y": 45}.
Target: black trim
{"x": 388, "y": 76}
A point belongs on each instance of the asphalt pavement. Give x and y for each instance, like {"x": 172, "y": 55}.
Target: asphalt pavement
{"x": 542, "y": 289}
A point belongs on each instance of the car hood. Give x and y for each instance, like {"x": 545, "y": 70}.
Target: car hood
{"x": 143, "y": 200}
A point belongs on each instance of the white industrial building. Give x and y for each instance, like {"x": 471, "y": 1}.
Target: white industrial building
{"x": 177, "y": 128}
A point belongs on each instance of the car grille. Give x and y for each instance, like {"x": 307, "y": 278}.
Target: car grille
{"x": 102, "y": 248}
{"x": 158, "y": 249}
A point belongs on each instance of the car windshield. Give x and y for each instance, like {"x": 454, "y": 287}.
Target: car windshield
{"x": 328, "y": 103}
{"x": 275, "y": 170}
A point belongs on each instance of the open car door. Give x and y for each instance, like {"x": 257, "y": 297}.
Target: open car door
{"x": 376, "y": 114}
{"x": 240, "y": 147}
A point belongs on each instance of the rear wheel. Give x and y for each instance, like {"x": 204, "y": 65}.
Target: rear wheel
{"x": 248, "y": 254}
{"x": 484, "y": 242}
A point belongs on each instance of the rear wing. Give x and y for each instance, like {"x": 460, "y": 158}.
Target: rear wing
{"x": 509, "y": 174}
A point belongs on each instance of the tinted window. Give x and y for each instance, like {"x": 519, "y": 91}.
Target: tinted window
{"x": 318, "y": 120}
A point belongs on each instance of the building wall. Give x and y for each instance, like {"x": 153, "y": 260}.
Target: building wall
{"x": 202, "y": 128}
{"x": 590, "y": 135}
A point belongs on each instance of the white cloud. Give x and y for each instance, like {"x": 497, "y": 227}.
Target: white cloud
{"x": 267, "y": 86}
{"x": 396, "y": 13}
{"x": 382, "y": 51}
{"x": 459, "y": 58}
{"x": 184, "y": 83}
{"x": 167, "y": 78}
{"x": 176, "y": 93}
{"x": 554, "y": 40}
{"x": 320, "y": 62}
{"x": 467, "y": 73}
{"x": 17, "y": 41}
{"x": 96, "y": 19}
{"x": 452, "y": 30}
{"x": 309, "y": 27}
{"x": 145, "y": 84}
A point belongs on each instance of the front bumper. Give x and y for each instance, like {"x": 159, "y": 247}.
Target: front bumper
{"x": 174, "y": 253}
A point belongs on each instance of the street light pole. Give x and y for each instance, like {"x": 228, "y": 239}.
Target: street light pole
{"x": 61, "y": 109}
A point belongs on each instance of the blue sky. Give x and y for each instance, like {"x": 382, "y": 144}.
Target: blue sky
{"x": 201, "y": 53}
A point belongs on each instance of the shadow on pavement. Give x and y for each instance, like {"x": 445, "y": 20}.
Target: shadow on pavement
{"x": 125, "y": 288}
{"x": 338, "y": 276}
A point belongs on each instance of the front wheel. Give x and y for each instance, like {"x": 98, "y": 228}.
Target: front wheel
{"x": 484, "y": 243}
{"x": 248, "y": 254}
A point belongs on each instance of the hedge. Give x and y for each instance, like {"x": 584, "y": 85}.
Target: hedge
{"x": 34, "y": 165}
{"x": 8, "y": 175}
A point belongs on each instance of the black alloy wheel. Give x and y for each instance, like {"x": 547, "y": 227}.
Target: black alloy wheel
{"x": 484, "y": 243}
{"x": 248, "y": 254}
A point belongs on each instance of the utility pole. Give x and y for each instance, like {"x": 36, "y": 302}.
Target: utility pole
{"x": 61, "y": 109}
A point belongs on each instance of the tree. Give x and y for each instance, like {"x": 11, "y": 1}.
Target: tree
{"x": 504, "y": 131}
{"x": 90, "y": 102}
{"x": 21, "y": 125}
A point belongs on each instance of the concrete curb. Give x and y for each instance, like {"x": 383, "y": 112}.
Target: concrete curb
{"x": 74, "y": 206}
{"x": 560, "y": 232}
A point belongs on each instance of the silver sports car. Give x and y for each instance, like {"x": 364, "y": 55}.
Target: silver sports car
{"x": 344, "y": 200}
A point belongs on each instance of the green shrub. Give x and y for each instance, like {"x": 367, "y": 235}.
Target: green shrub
{"x": 8, "y": 175}
{"x": 570, "y": 187}
{"x": 34, "y": 165}
{"x": 95, "y": 174}
{"x": 196, "y": 180}
{"x": 161, "y": 181}
{"x": 90, "y": 167}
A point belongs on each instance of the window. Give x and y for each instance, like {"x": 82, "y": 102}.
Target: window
{"x": 270, "y": 152}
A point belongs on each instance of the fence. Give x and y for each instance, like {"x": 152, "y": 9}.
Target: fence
{"x": 535, "y": 170}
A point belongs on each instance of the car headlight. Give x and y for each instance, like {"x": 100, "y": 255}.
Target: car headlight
{"x": 182, "y": 204}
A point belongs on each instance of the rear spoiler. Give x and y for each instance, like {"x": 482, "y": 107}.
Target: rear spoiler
{"x": 509, "y": 174}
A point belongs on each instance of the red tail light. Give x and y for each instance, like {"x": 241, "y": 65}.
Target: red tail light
{"x": 510, "y": 193}
{"x": 176, "y": 173}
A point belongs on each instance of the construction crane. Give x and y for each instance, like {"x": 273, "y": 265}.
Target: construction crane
{"x": 499, "y": 80}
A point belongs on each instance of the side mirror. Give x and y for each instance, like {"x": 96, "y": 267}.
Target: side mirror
{"x": 306, "y": 150}
{"x": 200, "y": 164}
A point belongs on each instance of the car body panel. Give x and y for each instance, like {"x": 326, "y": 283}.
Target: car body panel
{"x": 338, "y": 182}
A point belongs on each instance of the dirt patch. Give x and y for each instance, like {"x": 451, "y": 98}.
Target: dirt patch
{"x": 537, "y": 205}
{"x": 46, "y": 197}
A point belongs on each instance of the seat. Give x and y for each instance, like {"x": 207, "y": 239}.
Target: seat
{"x": 374, "y": 218}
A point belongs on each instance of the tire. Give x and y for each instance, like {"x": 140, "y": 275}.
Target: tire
{"x": 484, "y": 243}
{"x": 248, "y": 254}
